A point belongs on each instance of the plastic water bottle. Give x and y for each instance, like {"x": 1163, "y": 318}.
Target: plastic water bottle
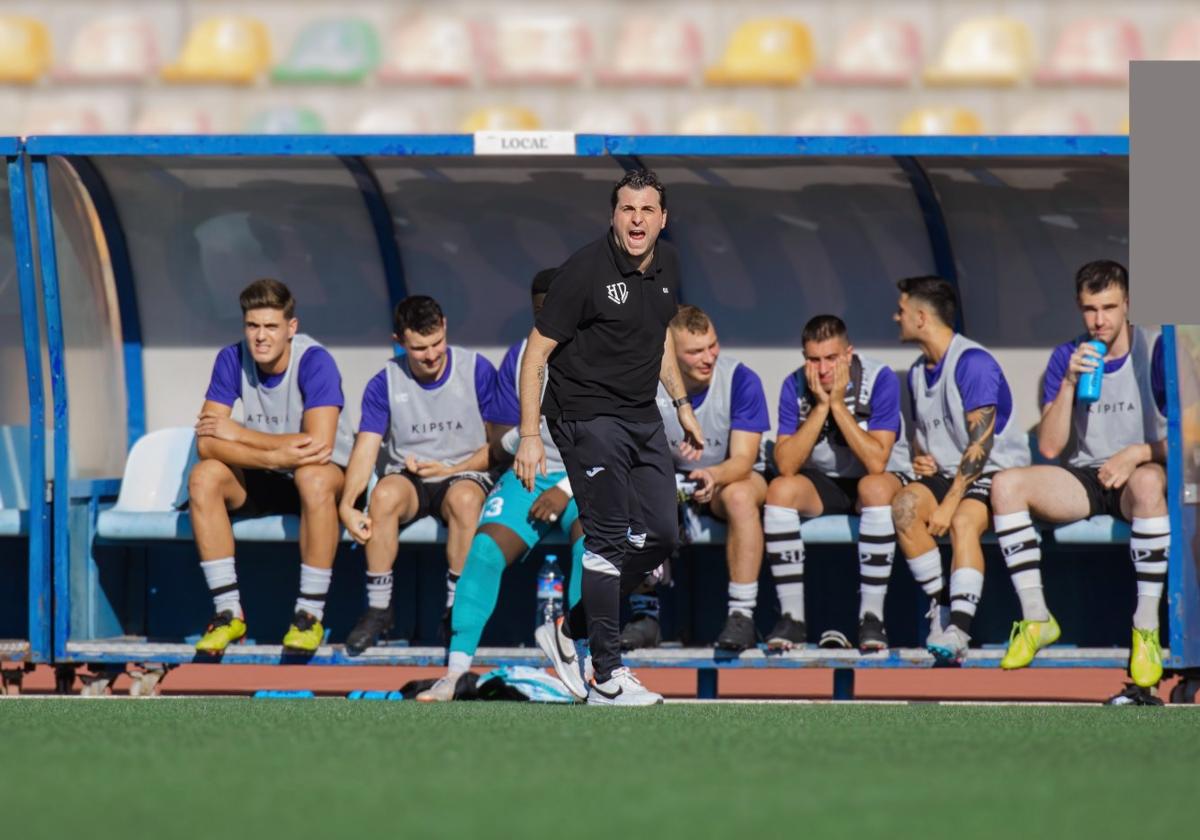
{"x": 1087, "y": 389}
{"x": 549, "y": 590}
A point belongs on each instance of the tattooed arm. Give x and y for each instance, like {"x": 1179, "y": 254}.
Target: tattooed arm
{"x": 981, "y": 433}
{"x": 531, "y": 455}
{"x": 668, "y": 374}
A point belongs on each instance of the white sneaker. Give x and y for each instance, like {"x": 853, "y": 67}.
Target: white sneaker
{"x": 622, "y": 689}
{"x": 560, "y": 650}
{"x": 441, "y": 691}
{"x": 949, "y": 646}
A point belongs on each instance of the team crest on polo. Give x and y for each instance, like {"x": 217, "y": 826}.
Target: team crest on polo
{"x": 618, "y": 292}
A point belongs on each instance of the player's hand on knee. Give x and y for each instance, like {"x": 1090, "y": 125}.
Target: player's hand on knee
{"x": 705, "y": 485}
{"x": 549, "y": 506}
{"x": 924, "y": 465}
{"x": 1114, "y": 472}
{"x": 939, "y": 523}
{"x": 357, "y": 524}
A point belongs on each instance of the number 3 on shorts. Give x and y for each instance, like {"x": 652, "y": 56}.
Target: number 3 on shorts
{"x": 494, "y": 506}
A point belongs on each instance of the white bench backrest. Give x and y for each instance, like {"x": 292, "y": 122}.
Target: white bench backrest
{"x": 156, "y": 471}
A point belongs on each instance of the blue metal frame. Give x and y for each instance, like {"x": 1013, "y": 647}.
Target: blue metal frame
{"x": 935, "y": 226}
{"x": 381, "y": 220}
{"x": 48, "y": 259}
{"x": 239, "y": 145}
{"x": 40, "y": 606}
{"x": 122, "y": 267}
{"x": 1183, "y": 593}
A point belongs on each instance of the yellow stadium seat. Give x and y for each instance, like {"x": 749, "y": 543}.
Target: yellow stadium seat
{"x": 1093, "y": 51}
{"x": 662, "y": 52}
{"x": 720, "y": 121}
{"x": 24, "y": 49}
{"x": 1123, "y": 126}
{"x": 438, "y": 49}
{"x": 538, "y": 49}
{"x": 875, "y": 51}
{"x": 765, "y": 51}
{"x": 234, "y": 50}
{"x": 837, "y": 121}
{"x": 1051, "y": 119}
{"x": 120, "y": 48}
{"x": 984, "y": 51}
{"x": 501, "y": 118}
{"x": 941, "y": 120}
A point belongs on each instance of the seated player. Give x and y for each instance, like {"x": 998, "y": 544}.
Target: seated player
{"x": 513, "y": 521}
{"x": 842, "y": 449}
{"x": 285, "y": 457}
{"x": 965, "y": 433}
{"x": 1112, "y": 453}
{"x": 428, "y": 410}
{"x": 729, "y": 402}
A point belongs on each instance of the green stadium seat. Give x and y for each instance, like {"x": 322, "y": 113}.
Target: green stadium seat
{"x": 331, "y": 51}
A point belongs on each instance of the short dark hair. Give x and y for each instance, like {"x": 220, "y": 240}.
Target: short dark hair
{"x": 1098, "y": 275}
{"x": 419, "y": 313}
{"x": 691, "y": 318}
{"x": 541, "y": 281}
{"x": 935, "y": 292}
{"x": 268, "y": 293}
{"x": 823, "y": 328}
{"x": 640, "y": 179}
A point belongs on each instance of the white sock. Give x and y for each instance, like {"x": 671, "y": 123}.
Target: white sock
{"x": 743, "y": 598}
{"x": 221, "y": 576}
{"x": 1023, "y": 556}
{"x": 927, "y": 570}
{"x": 451, "y": 587}
{"x": 314, "y": 586}
{"x": 785, "y": 555}
{"x": 966, "y": 587}
{"x": 1148, "y": 548}
{"x": 876, "y": 550}
{"x": 379, "y": 589}
{"x": 459, "y": 663}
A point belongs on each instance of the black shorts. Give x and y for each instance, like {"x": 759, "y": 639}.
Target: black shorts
{"x": 980, "y": 490}
{"x": 839, "y": 496}
{"x": 1101, "y": 500}
{"x": 269, "y": 493}
{"x": 431, "y": 494}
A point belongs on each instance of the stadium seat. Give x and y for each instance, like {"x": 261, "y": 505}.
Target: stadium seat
{"x": 285, "y": 120}
{"x": 501, "y": 118}
{"x": 1094, "y": 51}
{"x": 437, "y": 49}
{"x": 121, "y": 48}
{"x": 875, "y": 51}
{"x": 537, "y": 50}
{"x": 611, "y": 118}
{"x": 1123, "y": 126}
{"x": 24, "y": 49}
{"x": 14, "y": 480}
{"x": 665, "y": 52}
{"x": 174, "y": 119}
{"x": 1183, "y": 44}
{"x": 765, "y": 51}
{"x": 984, "y": 51}
{"x": 720, "y": 121}
{"x": 50, "y": 117}
{"x": 234, "y": 50}
{"x": 838, "y": 121}
{"x": 340, "y": 51}
{"x": 390, "y": 119}
{"x": 1051, "y": 120}
{"x": 941, "y": 120}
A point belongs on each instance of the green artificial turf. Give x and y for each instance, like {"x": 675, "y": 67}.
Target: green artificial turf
{"x": 251, "y": 769}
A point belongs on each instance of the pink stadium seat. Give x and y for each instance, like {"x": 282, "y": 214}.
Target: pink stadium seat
{"x": 1183, "y": 44}
{"x": 121, "y": 48}
{"x": 875, "y": 51}
{"x": 835, "y": 121}
{"x": 1052, "y": 120}
{"x": 431, "y": 49}
{"x": 48, "y": 117}
{"x": 611, "y": 118}
{"x": 663, "y": 52}
{"x": 175, "y": 119}
{"x": 1095, "y": 51}
{"x": 546, "y": 50}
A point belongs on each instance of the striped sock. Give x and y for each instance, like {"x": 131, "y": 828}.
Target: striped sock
{"x": 927, "y": 571}
{"x": 785, "y": 556}
{"x": 644, "y": 604}
{"x": 966, "y": 586}
{"x": 451, "y": 587}
{"x": 876, "y": 549}
{"x": 221, "y": 576}
{"x": 379, "y": 589}
{"x": 743, "y": 598}
{"x": 1023, "y": 555}
{"x": 1148, "y": 548}
{"x": 314, "y": 586}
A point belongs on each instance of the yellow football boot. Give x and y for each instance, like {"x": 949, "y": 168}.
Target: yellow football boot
{"x": 222, "y": 631}
{"x": 305, "y": 634}
{"x": 1026, "y": 639}
{"x": 1145, "y": 658}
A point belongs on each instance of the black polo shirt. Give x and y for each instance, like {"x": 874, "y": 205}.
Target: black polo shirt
{"x": 610, "y": 321}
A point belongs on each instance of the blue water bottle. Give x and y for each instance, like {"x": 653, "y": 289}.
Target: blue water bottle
{"x": 1087, "y": 389}
{"x": 549, "y": 590}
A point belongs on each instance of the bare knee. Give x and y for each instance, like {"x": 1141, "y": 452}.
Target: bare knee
{"x": 1147, "y": 488}
{"x": 967, "y": 526}
{"x": 1008, "y": 491}
{"x": 206, "y": 482}
{"x": 876, "y": 490}
{"x": 742, "y": 501}
{"x": 386, "y": 500}
{"x": 904, "y": 510}
{"x": 463, "y": 502}
{"x": 317, "y": 485}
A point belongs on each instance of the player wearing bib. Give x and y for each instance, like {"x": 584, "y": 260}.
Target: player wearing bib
{"x": 728, "y": 401}
{"x": 513, "y": 521}
{"x": 842, "y": 449}
{"x": 964, "y": 432}
{"x": 285, "y": 457}
{"x": 1111, "y": 455}
{"x": 424, "y": 428}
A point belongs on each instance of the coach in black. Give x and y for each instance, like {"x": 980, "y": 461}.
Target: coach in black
{"x": 602, "y": 338}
